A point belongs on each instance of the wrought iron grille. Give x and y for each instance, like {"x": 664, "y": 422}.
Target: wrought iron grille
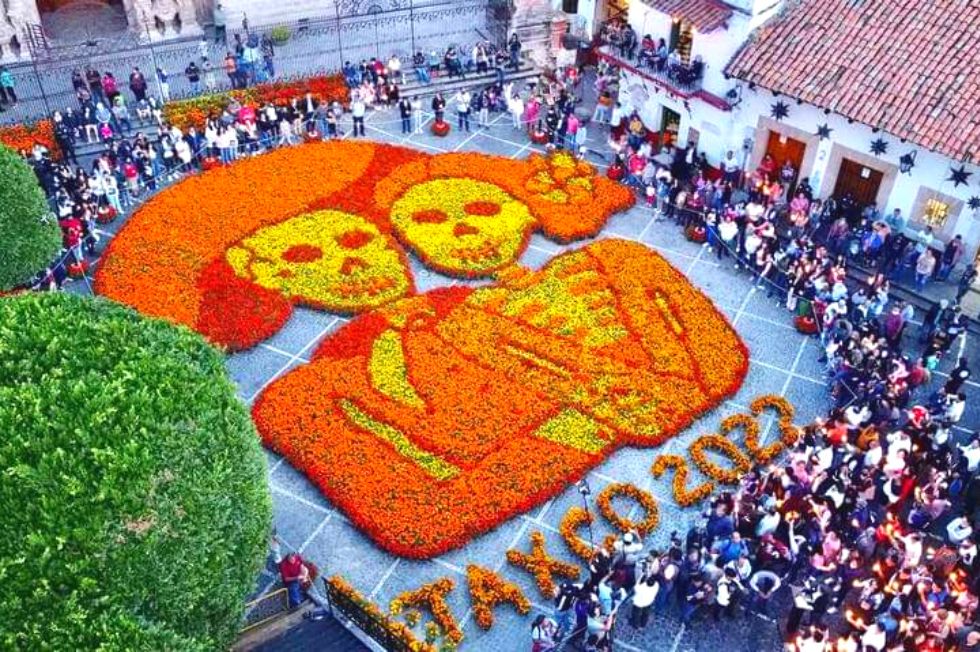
{"x": 371, "y": 626}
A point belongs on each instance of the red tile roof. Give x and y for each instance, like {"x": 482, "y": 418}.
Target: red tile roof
{"x": 705, "y": 15}
{"x": 908, "y": 67}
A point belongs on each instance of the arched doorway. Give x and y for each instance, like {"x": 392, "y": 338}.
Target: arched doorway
{"x": 75, "y": 21}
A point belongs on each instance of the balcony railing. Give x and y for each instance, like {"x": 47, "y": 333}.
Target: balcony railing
{"x": 682, "y": 79}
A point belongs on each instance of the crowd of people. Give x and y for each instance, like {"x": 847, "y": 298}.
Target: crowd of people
{"x": 453, "y": 61}
{"x": 861, "y": 537}
{"x": 141, "y": 151}
{"x": 650, "y": 53}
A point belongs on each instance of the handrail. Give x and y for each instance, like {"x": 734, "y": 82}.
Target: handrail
{"x": 364, "y": 621}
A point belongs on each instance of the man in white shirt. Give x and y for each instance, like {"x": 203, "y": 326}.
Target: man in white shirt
{"x": 462, "y": 100}
{"x": 644, "y": 594}
{"x": 726, "y": 594}
{"x": 358, "y": 109}
{"x": 732, "y": 168}
{"x": 971, "y": 454}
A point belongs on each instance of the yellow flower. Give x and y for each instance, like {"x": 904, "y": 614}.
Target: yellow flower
{"x": 462, "y": 226}
{"x": 330, "y": 259}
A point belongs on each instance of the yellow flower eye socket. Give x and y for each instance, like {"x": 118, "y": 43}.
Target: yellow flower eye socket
{"x": 461, "y": 226}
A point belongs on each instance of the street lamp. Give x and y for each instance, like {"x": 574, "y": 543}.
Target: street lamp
{"x": 906, "y": 162}
{"x": 585, "y": 490}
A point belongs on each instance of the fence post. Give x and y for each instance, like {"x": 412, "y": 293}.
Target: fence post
{"x": 411, "y": 22}
{"x": 340, "y": 41}
{"x": 153, "y": 56}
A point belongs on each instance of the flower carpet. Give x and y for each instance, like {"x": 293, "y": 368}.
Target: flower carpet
{"x": 436, "y": 345}
{"x": 476, "y": 403}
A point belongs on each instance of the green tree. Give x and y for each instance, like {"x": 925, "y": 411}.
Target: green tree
{"x": 133, "y": 500}
{"x": 29, "y": 234}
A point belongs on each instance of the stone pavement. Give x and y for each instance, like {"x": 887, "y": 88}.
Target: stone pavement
{"x": 782, "y": 362}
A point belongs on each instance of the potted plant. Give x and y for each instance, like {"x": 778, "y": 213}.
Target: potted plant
{"x": 105, "y": 214}
{"x": 440, "y": 128}
{"x": 78, "y": 269}
{"x": 806, "y": 324}
{"x": 696, "y": 233}
{"x": 279, "y": 34}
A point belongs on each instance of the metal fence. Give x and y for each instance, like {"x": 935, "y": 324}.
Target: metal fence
{"x": 265, "y": 608}
{"x": 343, "y": 605}
{"x": 312, "y": 46}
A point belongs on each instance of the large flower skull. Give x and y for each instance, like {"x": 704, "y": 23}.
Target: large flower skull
{"x": 329, "y": 259}
{"x": 462, "y": 226}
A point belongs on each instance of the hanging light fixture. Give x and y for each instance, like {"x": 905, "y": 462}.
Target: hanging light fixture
{"x": 906, "y": 162}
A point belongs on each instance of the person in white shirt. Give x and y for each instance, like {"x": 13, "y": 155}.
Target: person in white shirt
{"x": 417, "y": 113}
{"x": 897, "y": 441}
{"x": 814, "y": 640}
{"x": 462, "y": 100}
{"x": 644, "y": 593}
{"x": 726, "y": 594}
{"x": 959, "y": 531}
{"x": 912, "y": 544}
{"x": 515, "y": 105}
{"x": 286, "y": 136}
{"x": 358, "y": 109}
{"x": 395, "y": 68}
{"x": 184, "y": 154}
{"x": 111, "y": 190}
{"x": 954, "y": 408}
{"x": 873, "y": 638}
{"x": 971, "y": 455}
{"x": 617, "y": 116}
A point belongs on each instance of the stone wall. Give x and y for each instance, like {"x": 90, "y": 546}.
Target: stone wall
{"x": 16, "y": 16}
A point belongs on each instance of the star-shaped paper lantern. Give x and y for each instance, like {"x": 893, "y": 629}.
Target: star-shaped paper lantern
{"x": 974, "y": 203}
{"x": 960, "y": 176}
{"x": 879, "y": 146}
{"x": 779, "y": 110}
{"x": 823, "y": 131}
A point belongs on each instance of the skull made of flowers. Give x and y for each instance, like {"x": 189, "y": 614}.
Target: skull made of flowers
{"x": 462, "y": 226}
{"x": 329, "y": 259}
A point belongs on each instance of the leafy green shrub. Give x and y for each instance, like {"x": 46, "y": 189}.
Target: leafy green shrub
{"x": 133, "y": 500}
{"x": 29, "y": 234}
{"x": 279, "y": 34}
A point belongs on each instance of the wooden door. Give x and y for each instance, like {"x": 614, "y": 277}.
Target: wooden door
{"x": 791, "y": 150}
{"x": 859, "y": 180}
{"x": 670, "y": 122}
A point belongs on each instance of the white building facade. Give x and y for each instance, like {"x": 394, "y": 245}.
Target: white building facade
{"x": 839, "y": 155}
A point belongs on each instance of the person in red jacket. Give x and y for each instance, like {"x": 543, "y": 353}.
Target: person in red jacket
{"x": 294, "y": 574}
{"x": 298, "y": 576}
